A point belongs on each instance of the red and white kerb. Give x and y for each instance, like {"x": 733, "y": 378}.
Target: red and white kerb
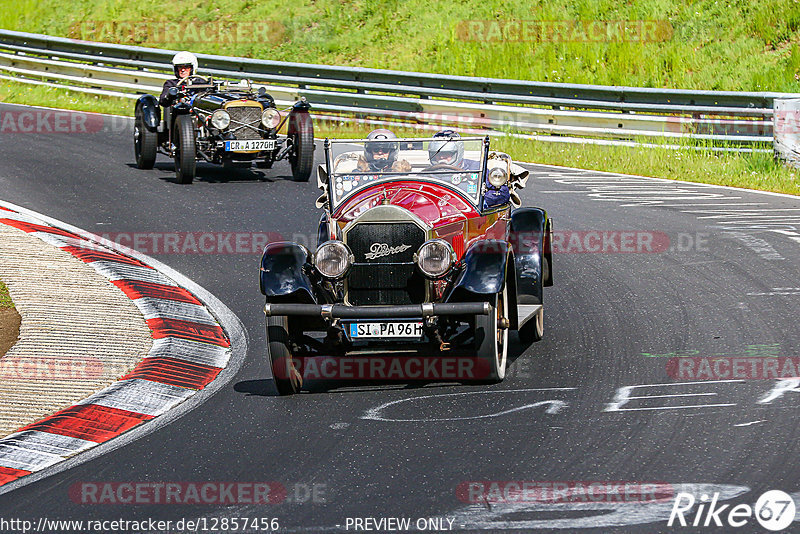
{"x": 189, "y": 351}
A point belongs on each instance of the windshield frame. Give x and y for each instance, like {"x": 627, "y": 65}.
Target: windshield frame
{"x": 477, "y": 201}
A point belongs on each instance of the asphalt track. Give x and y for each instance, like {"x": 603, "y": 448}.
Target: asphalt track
{"x": 726, "y": 284}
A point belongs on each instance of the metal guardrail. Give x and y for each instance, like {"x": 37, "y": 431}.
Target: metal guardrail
{"x": 603, "y": 114}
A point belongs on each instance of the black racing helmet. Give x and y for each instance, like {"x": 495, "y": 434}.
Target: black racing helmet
{"x": 380, "y": 150}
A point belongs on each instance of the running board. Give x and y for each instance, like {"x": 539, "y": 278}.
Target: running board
{"x": 526, "y": 312}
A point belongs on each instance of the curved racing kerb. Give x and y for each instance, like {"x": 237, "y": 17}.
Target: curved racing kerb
{"x": 198, "y": 346}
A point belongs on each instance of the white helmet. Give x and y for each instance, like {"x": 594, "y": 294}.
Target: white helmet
{"x": 182, "y": 59}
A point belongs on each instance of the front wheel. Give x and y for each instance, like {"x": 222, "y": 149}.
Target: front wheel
{"x": 288, "y": 379}
{"x": 144, "y": 143}
{"x": 185, "y": 150}
{"x": 301, "y": 132}
{"x": 491, "y": 337}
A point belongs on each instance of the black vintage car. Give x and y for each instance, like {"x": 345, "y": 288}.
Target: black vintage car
{"x": 222, "y": 123}
{"x": 426, "y": 257}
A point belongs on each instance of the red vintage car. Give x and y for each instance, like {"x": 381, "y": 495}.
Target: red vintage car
{"x": 418, "y": 250}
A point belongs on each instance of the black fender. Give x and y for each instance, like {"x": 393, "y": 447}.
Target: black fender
{"x": 483, "y": 271}
{"x": 151, "y": 111}
{"x": 530, "y": 233}
{"x": 282, "y": 274}
{"x": 181, "y": 108}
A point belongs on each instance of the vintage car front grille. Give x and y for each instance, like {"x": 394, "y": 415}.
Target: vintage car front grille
{"x": 384, "y": 271}
{"x": 245, "y": 115}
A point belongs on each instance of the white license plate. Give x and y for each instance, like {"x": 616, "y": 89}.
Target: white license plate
{"x": 250, "y": 144}
{"x": 412, "y": 330}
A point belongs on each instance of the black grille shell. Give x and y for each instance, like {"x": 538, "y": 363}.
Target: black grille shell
{"x": 389, "y": 278}
{"x": 249, "y": 115}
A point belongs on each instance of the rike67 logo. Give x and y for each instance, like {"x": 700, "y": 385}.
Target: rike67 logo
{"x": 774, "y": 510}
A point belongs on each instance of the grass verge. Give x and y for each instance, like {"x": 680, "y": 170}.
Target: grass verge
{"x": 5, "y": 299}
{"x": 752, "y": 171}
{"x": 9, "y": 321}
{"x": 734, "y": 45}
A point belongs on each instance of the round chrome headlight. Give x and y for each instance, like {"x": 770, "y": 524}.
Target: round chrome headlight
{"x": 498, "y": 177}
{"x": 220, "y": 119}
{"x": 270, "y": 118}
{"x": 332, "y": 259}
{"x": 435, "y": 258}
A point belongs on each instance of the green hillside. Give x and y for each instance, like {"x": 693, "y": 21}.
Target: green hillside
{"x": 708, "y": 44}
{"x": 711, "y": 44}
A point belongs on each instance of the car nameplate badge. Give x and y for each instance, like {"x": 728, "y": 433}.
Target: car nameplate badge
{"x": 378, "y": 250}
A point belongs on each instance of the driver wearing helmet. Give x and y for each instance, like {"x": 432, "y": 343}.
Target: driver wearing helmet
{"x": 184, "y": 64}
{"x": 448, "y": 149}
{"x": 380, "y": 153}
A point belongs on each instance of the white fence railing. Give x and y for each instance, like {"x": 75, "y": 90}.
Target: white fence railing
{"x": 720, "y": 120}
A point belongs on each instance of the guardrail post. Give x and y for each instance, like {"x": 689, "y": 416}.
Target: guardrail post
{"x": 786, "y": 130}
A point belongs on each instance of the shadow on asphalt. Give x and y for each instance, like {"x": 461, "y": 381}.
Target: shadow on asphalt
{"x": 259, "y": 388}
{"x": 266, "y": 387}
{"x": 210, "y": 173}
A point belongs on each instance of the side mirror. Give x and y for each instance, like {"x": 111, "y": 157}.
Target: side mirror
{"x": 262, "y": 91}
{"x": 173, "y": 91}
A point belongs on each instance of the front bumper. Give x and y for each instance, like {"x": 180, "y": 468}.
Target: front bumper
{"x": 407, "y": 311}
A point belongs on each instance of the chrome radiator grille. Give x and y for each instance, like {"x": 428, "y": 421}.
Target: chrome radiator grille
{"x": 245, "y": 121}
{"x": 384, "y": 271}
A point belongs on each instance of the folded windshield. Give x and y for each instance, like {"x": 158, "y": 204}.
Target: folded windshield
{"x": 354, "y": 165}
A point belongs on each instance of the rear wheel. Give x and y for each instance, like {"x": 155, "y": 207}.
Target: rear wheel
{"x": 288, "y": 379}
{"x": 491, "y": 337}
{"x": 185, "y": 150}
{"x": 301, "y": 132}
{"x": 144, "y": 143}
